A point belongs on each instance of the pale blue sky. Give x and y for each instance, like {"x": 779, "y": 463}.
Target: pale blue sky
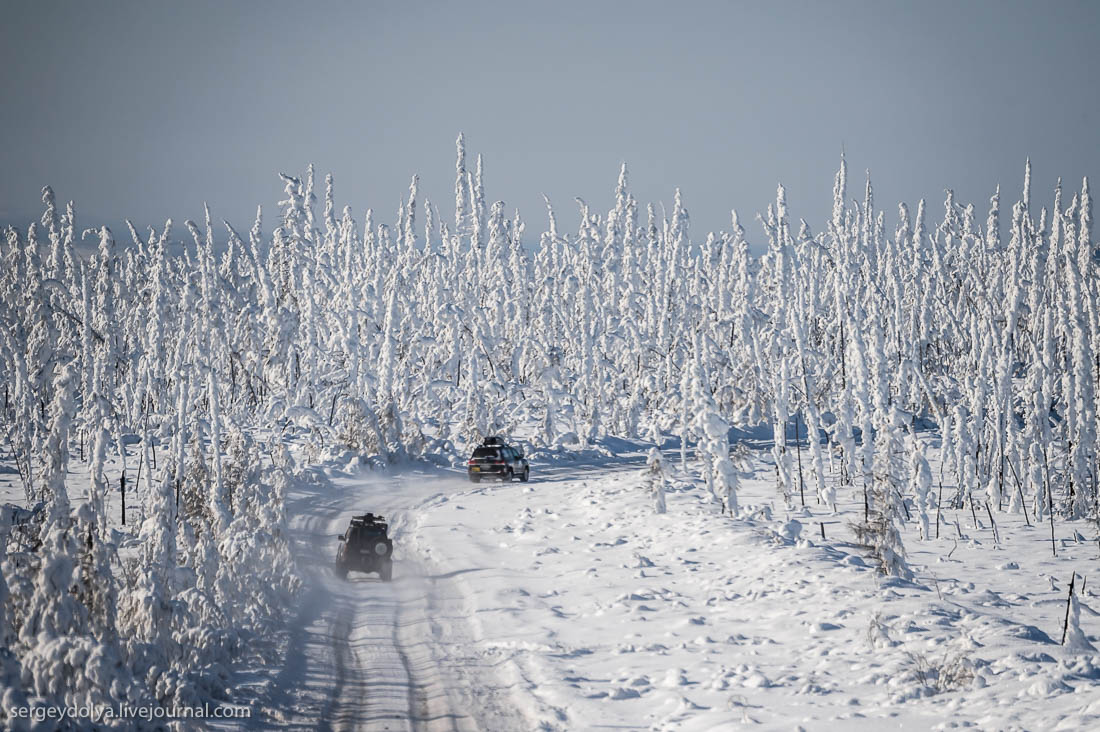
{"x": 147, "y": 109}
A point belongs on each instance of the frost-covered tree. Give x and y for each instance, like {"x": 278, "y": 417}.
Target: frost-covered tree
{"x": 169, "y": 360}
{"x": 654, "y": 476}
{"x": 920, "y": 477}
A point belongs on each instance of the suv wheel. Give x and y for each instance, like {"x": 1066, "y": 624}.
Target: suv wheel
{"x": 508, "y": 476}
{"x": 475, "y": 478}
{"x": 526, "y": 475}
{"x": 386, "y": 572}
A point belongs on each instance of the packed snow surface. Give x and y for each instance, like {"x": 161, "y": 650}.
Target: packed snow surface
{"x": 568, "y": 603}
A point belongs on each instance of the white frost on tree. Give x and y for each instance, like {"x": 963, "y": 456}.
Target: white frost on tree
{"x": 654, "y": 476}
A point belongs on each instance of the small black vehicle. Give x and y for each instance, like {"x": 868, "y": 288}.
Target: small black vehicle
{"x": 365, "y": 547}
{"x": 495, "y": 458}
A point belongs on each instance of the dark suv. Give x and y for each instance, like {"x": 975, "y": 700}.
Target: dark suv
{"x": 495, "y": 458}
{"x": 365, "y": 547}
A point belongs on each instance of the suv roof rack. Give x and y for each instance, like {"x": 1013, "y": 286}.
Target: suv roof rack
{"x": 366, "y": 519}
{"x": 492, "y": 440}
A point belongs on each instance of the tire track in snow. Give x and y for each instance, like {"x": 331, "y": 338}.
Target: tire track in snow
{"x": 385, "y": 679}
{"x": 339, "y": 629}
{"x": 461, "y": 687}
{"x": 400, "y": 656}
{"x": 431, "y": 704}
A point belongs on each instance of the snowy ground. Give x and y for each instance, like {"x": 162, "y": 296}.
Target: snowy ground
{"x": 567, "y": 603}
{"x": 612, "y": 615}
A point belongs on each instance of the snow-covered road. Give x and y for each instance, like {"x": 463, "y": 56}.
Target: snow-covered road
{"x": 567, "y": 604}
{"x": 369, "y": 655}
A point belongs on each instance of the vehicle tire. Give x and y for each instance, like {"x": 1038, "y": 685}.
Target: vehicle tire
{"x": 475, "y": 478}
{"x": 341, "y": 571}
{"x": 526, "y": 475}
{"x": 386, "y": 572}
{"x": 508, "y": 476}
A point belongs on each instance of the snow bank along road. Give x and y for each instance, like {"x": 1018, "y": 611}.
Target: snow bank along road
{"x": 567, "y": 604}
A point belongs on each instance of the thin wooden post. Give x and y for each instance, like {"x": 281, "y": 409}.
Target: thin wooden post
{"x": 992, "y": 523}
{"x": 1069, "y": 599}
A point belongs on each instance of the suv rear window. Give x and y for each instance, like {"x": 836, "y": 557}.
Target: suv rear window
{"x": 363, "y": 533}
{"x": 487, "y": 452}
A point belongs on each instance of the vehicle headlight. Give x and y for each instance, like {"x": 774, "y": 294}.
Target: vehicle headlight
{"x": 380, "y": 549}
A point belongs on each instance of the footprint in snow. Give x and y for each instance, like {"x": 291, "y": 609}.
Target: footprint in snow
{"x": 756, "y": 680}
{"x": 624, "y": 692}
{"x": 990, "y": 598}
{"x": 1048, "y": 687}
{"x": 687, "y": 705}
{"x": 675, "y": 677}
{"x": 633, "y": 596}
{"x": 721, "y": 680}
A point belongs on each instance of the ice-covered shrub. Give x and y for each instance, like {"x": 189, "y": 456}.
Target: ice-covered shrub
{"x": 950, "y": 672}
{"x": 654, "y": 477}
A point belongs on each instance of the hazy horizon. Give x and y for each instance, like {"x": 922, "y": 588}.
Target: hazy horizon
{"x": 146, "y": 111}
